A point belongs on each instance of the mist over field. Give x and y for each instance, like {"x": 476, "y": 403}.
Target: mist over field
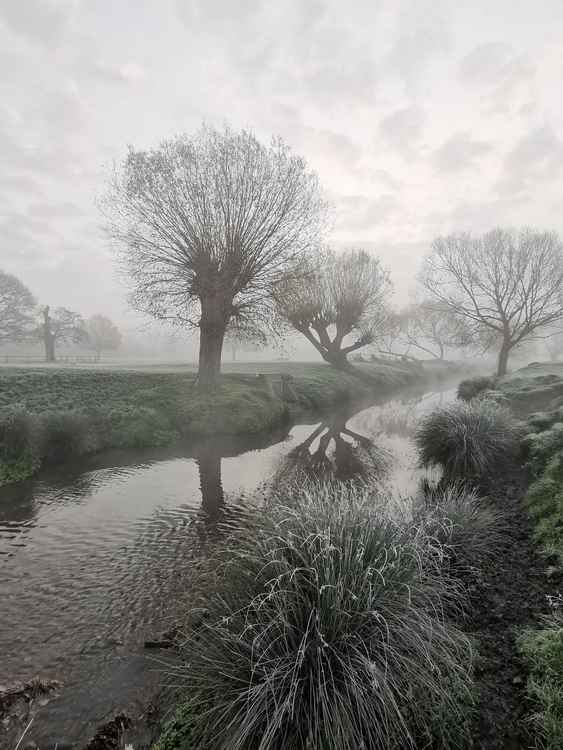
{"x": 281, "y": 375}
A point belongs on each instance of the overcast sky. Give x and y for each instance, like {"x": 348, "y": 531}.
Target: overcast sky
{"x": 420, "y": 116}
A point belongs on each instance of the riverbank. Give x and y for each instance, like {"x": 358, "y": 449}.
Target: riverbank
{"x": 51, "y": 415}
{"x": 517, "y": 618}
{"x": 499, "y": 538}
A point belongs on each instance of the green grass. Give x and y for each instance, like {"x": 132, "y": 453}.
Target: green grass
{"x": 537, "y": 387}
{"x": 472, "y": 442}
{"x": 543, "y": 445}
{"x": 543, "y": 651}
{"x": 545, "y": 504}
{"x": 321, "y": 625}
{"x": 66, "y": 412}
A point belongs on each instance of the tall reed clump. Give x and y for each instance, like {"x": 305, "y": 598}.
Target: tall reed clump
{"x": 468, "y": 531}
{"x": 471, "y": 442}
{"x": 472, "y": 387}
{"x": 325, "y": 629}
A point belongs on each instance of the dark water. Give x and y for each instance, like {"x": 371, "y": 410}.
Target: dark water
{"x": 93, "y": 556}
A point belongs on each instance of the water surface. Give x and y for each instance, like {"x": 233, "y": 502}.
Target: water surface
{"x": 93, "y": 556}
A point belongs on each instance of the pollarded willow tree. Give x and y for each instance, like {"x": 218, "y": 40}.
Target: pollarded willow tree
{"x": 16, "y": 309}
{"x": 506, "y": 284}
{"x": 342, "y": 296}
{"x": 433, "y": 328}
{"x": 208, "y": 226}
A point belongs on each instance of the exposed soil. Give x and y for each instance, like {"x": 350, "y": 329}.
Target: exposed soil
{"x": 513, "y": 595}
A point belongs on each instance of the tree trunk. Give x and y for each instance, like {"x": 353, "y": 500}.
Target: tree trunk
{"x": 337, "y": 359}
{"x": 503, "y": 359}
{"x": 48, "y": 337}
{"x": 212, "y": 328}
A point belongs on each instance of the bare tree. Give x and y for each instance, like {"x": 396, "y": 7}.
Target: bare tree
{"x": 16, "y": 309}
{"x": 342, "y": 295}
{"x": 506, "y": 284}
{"x": 102, "y": 334}
{"x": 63, "y": 326}
{"x": 207, "y": 226}
{"x": 433, "y": 327}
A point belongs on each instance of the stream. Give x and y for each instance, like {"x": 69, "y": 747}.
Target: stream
{"x": 92, "y": 554}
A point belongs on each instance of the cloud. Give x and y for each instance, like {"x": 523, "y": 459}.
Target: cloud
{"x": 43, "y": 21}
{"x": 506, "y": 78}
{"x": 128, "y": 74}
{"x": 357, "y": 213}
{"x": 534, "y": 162}
{"x": 403, "y": 128}
{"x": 55, "y": 210}
{"x": 330, "y": 145}
{"x": 459, "y": 152}
{"x": 422, "y": 36}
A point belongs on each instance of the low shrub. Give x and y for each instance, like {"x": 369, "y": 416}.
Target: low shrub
{"x": 324, "y": 629}
{"x": 140, "y": 427}
{"x": 542, "y": 446}
{"x": 18, "y": 444}
{"x": 543, "y": 652}
{"x": 544, "y": 420}
{"x": 176, "y": 733}
{"x": 66, "y": 434}
{"x": 471, "y": 442}
{"x": 469, "y": 532}
{"x": 545, "y": 504}
{"x": 472, "y": 387}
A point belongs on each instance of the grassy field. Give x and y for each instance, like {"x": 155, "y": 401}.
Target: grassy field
{"x": 49, "y": 414}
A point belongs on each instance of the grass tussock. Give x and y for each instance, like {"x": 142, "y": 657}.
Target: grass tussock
{"x": 325, "y": 629}
{"x": 468, "y": 531}
{"x": 543, "y": 651}
{"x": 471, "y": 442}
{"x": 472, "y": 387}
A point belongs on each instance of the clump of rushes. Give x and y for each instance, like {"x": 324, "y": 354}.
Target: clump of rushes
{"x": 543, "y": 651}
{"x": 468, "y": 531}
{"x": 472, "y": 387}
{"x": 325, "y": 629}
{"x": 472, "y": 442}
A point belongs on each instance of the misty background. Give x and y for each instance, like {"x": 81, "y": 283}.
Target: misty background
{"x": 420, "y": 117}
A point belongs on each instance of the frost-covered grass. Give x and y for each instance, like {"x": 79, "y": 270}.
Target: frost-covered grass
{"x": 471, "y": 442}
{"x": 322, "y": 625}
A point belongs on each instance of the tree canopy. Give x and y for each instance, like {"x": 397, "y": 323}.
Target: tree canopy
{"x": 506, "y": 284}
{"x": 342, "y": 295}
{"x": 16, "y": 309}
{"x": 207, "y": 225}
{"x": 433, "y": 327}
{"x": 102, "y": 334}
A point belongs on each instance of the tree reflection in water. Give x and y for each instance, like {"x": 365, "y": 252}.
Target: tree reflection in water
{"x": 341, "y": 454}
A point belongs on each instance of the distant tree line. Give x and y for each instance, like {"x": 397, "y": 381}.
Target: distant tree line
{"x": 223, "y": 234}
{"x": 22, "y": 320}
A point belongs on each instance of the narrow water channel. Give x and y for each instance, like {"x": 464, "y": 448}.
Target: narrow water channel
{"x": 91, "y": 555}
